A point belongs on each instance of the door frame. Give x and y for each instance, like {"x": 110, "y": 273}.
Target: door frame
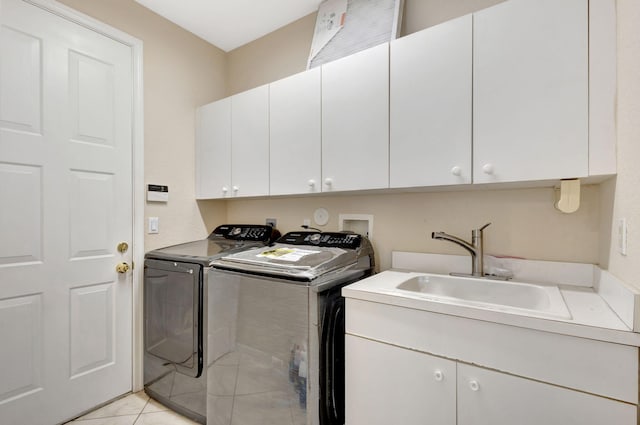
{"x": 137, "y": 138}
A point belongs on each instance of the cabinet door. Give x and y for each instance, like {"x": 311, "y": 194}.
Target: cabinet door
{"x": 213, "y": 150}
{"x": 250, "y": 142}
{"x": 391, "y": 385}
{"x": 430, "y": 106}
{"x": 355, "y": 121}
{"x": 530, "y": 91}
{"x": 295, "y": 134}
{"x": 492, "y": 398}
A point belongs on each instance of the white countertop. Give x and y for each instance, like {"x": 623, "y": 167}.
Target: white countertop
{"x": 591, "y": 316}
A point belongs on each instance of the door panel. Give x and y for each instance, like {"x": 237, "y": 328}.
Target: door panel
{"x": 20, "y": 78}
{"x": 92, "y": 98}
{"x": 21, "y": 185}
{"x": 22, "y": 346}
{"x": 91, "y": 198}
{"x": 66, "y": 190}
{"x": 91, "y": 339}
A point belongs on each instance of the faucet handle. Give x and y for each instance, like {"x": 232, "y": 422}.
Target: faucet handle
{"x": 484, "y": 227}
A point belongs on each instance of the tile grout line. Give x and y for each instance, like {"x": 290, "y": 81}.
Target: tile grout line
{"x": 142, "y": 410}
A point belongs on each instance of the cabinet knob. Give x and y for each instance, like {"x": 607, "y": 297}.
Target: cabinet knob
{"x": 236, "y": 188}
{"x": 487, "y": 168}
{"x": 456, "y": 171}
{"x": 311, "y": 183}
{"x": 474, "y": 386}
{"x": 225, "y": 189}
{"x": 328, "y": 181}
{"x": 438, "y": 375}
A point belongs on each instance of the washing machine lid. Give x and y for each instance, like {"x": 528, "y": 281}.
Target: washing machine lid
{"x": 203, "y": 249}
{"x": 302, "y": 256}
{"x": 225, "y": 238}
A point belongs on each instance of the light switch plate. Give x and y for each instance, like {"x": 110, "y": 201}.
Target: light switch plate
{"x": 622, "y": 236}
{"x": 154, "y": 225}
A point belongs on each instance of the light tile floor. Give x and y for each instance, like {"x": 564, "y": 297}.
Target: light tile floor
{"x": 134, "y": 409}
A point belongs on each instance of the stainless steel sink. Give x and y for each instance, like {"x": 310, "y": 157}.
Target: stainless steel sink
{"x": 513, "y": 297}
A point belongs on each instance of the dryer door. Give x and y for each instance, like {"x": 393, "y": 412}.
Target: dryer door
{"x": 173, "y": 314}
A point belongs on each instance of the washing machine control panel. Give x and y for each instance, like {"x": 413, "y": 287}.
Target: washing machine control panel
{"x": 323, "y": 239}
{"x": 245, "y": 232}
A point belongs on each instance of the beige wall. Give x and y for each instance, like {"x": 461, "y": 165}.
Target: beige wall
{"x": 277, "y": 55}
{"x": 525, "y": 223}
{"x": 285, "y": 52}
{"x": 181, "y": 72}
{"x": 625, "y": 190}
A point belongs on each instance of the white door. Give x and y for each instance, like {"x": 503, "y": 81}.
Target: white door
{"x": 295, "y": 138}
{"x": 386, "y": 385}
{"x": 250, "y": 142}
{"x": 530, "y": 91}
{"x": 355, "y": 121}
{"x": 66, "y": 203}
{"x": 487, "y": 397}
{"x": 430, "y": 106}
{"x": 213, "y": 150}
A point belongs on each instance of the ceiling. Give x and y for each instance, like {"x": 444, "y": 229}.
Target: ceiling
{"x": 228, "y": 24}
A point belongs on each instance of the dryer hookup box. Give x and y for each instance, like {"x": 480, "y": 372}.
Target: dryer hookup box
{"x": 157, "y": 193}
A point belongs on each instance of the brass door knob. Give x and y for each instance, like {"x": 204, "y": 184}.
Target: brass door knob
{"x": 123, "y": 247}
{"x": 122, "y": 267}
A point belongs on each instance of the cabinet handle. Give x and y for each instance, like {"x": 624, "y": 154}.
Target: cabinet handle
{"x": 328, "y": 181}
{"x": 225, "y": 189}
{"x": 236, "y": 188}
{"x": 311, "y": 183}
{"x": 487, "y": 168}
{"x": 438, "y": 375}
{"x": 474, "y": 386}
{"x": 456, "y": 171}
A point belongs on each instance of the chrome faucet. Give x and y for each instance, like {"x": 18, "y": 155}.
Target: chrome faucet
{"x": 475, "y": 248}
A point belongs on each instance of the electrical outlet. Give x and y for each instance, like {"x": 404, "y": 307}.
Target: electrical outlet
{"x": 306, "y": 222}
{"x": 271, "y": 222}
{"x": 622, "y": 236}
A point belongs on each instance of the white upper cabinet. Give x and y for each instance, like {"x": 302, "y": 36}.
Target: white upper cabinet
{"x": 530, "y": 91}
{"x": 295, "y": 142}
{"x": 430, "y": 106}
{"x": 250, "y": 143}
{"x": 355, "y": 121}
{"x": 213, "y": 150}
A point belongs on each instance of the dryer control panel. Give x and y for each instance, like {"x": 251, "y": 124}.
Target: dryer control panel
{"x": 245, "y": 232}
{"x": 324, "y": 239}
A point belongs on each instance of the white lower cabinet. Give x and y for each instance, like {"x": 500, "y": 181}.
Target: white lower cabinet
{"x": 391, "y": 385}
{"x": 412, "y": 367}
{"x": 387, "y": 384}
{"x": 487, "y": 397}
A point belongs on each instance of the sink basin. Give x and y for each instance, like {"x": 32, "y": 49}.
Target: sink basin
{"x": 512, "y": 297}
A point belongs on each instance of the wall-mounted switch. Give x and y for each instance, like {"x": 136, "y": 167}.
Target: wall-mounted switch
{"x": 154, "y": 225}
{"x": 622, "y": 236}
